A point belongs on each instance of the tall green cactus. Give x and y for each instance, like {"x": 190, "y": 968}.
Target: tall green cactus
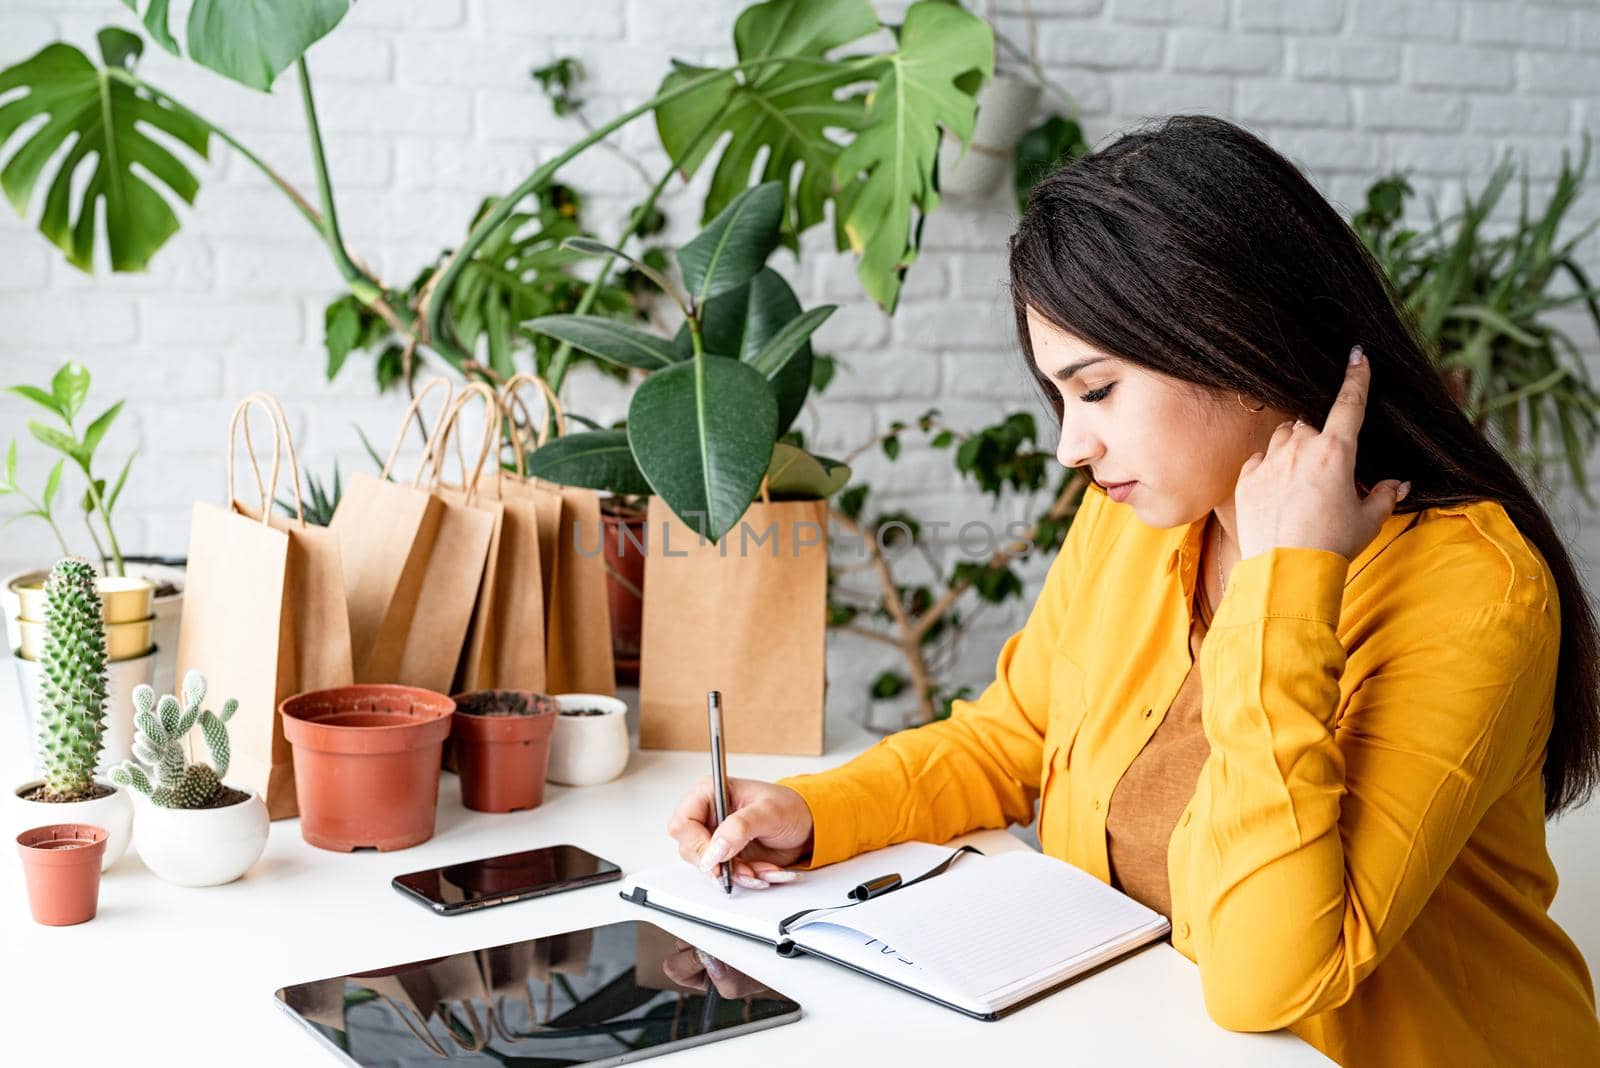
{"x": 158, "y": 742}
{"x": 72, "y": 687}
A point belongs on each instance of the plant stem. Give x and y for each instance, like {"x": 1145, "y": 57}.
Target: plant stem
{"x": 438, "y": 287}
{"x": 330, "y": 217}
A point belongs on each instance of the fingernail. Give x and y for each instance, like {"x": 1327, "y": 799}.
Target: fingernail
{"x": 778, "y": 876}
{"x": 715, "y": 968}
{"x": 1405, "y": 488}
{"x": 1356, "y": 355}
{"x": 704, "y": 958}
{"x": 747, "y": 881}
{"x": 716, "y": 852}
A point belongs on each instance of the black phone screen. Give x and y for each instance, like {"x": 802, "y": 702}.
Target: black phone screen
{"x": 477, "y": 884}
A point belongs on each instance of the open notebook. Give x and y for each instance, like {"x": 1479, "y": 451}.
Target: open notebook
{"x": 983, "y": 935}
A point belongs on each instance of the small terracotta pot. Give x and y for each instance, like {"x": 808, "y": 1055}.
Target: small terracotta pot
{"x": 625, "y": 590}
{"x": 366, "y": 764}
{"x": 501, "y": 740}
{"x": 61, "y": 863}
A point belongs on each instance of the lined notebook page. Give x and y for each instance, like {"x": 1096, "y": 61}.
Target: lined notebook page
{"x": 992, "y": 923}
{"x": 684, "y": 888}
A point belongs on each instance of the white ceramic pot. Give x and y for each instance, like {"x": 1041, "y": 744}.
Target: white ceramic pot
{"x": 121, "y": 678}
{"x": 201, "y": 846}
{"x": 114, "y": 813}
{"x": 586, "y": 750}
{"x": 1004, "y": 107}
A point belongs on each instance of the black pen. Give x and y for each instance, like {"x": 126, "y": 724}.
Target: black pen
{"x": 719, "y": 777}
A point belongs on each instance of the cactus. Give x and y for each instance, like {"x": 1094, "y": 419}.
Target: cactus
{"x": 72, "y": 689}
{"x": 158, "y": 743}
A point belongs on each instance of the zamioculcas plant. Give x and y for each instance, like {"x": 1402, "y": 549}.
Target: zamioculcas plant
{"x": 72, "y": 699}
{"x": 703, "y": 427}
{"x": 158, "y": 743}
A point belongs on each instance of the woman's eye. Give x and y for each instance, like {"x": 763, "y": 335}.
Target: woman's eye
{"x": 1096, "y": 394}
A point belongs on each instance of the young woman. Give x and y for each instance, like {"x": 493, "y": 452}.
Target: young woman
{"x": 1312, "y": 667}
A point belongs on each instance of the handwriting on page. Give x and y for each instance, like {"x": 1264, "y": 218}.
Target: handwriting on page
{"x": 886, "y": 950}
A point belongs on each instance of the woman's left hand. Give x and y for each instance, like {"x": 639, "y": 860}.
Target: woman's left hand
{"x": 1301, "y": 493}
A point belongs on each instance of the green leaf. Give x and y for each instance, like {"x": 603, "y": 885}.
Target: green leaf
{"x": 11, "y": 465}
{"x": 97, "y": 430}
{"x": 1041, "y": 150}
{"x": 591, "y": 247}
{"x": 608, "y": 339}
{"x": 341, "y": 330}
{"x": 779, "y": 113}
{"x": 776, "y": 353}
{"x": 39, "y": 397}
{"x": 888, "y": 684}
{"x": 90, "y": 112}
{"x": 702, "y": 433}
{"x": 70, "y": 387}
{"x": 119, "y": 48}
{"x": 51, "y": 484}
{"x": 155, "y": 22}
{"x": 735, "y": 245}
{"x": 795, "y": 474}
{"x": 249, "y": 41}
{"x": 743, "y": 321}
{"x": 87, "y": 501}
{"x": 116, "y": 488}
{"x": 58, "y": 440}
{"x": 596, "y": 459}
{"x": 945, "y": 55}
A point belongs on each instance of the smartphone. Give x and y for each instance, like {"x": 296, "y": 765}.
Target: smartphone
{"x": 480, "y": 884}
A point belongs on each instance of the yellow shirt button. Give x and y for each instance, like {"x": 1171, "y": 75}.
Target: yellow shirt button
{"x": 1186, "y": 816}
{"x": 1183, "y": 929}
{"x": 1097, "y": 804}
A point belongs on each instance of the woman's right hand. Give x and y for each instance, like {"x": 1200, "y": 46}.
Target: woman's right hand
{"x": 768, "y": 826}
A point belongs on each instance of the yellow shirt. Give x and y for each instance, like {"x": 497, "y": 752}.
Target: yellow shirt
{"x": 1363, "y": 860}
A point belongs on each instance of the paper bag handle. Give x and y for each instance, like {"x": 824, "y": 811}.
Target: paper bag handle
{"x": 269, "y": 489}
{"x": 446, "y": 431}
{"x": 552, "y": 407}
{"x": 414, "y": 412}
{"x": 281, "y": 431}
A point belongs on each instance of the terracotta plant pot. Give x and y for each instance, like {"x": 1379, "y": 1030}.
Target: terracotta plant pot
{"x": 61, "y": 863}
{"x": 366, "y": 764}
{"x": 113, "y": 813}
{"x": 624, "y": 534}
{"x": 501, "y": 740}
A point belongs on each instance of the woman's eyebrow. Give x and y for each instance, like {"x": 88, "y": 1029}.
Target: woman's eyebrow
{"x": 1073, "y": 368}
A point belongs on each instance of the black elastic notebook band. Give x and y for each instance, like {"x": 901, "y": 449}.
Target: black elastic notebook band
{"x": 877, "y": 888}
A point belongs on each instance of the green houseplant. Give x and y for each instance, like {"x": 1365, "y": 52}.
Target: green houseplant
{"x": 1481, "y": 297}
{"x": 70, "y": 715}
{"x": 860, "y": 131}
{"x": 195, "y": 830}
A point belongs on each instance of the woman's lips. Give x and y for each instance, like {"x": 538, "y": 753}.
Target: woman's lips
{"x": 1120, "y": 492}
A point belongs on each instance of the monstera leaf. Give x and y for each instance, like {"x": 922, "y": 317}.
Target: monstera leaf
{"x": 783, "y": 108}
{"x": 702, "y": 433}
{"x": 250, "y": 41}
{"x": 99, "y": 113}
{"x": 782, "y": 112}
{"x": 945, "y": 55}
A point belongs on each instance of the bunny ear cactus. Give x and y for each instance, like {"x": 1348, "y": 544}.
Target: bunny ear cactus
{"x": 158, "y": 743}
{"x": 72, "y": 690}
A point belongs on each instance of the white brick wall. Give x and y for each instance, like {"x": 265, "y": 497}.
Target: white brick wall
{"x": 427, "y": 106}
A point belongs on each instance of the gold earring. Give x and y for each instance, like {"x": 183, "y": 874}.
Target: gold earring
{"x": 1240, "y": 398}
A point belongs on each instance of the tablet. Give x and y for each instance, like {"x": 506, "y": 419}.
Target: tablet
{"x": 604, "y": 995}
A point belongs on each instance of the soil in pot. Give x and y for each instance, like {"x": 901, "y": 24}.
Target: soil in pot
{"x": 501, "y": 740}
{"x": 61, "y": 864}
{"x": 43, "y": 794}
{"x": 366, "y": 764}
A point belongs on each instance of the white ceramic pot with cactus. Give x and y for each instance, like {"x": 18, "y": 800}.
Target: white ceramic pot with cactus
{"x": 193, "y": 829}
{"x": 71, "y": 713}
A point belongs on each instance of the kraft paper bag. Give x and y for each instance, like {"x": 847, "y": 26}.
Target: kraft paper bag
{"x": 577, "y": 611}
{"x": 386, "y": 532}
{"x": 456, "y": 561}
{"x": 747, "y": 616}
{"x": 264, "y": 614}
{"x": 506, "y": 646}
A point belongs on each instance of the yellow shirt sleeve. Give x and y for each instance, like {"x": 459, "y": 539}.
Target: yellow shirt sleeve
{"x": 981, "y": 767}
{"x": 1324, "y": 818}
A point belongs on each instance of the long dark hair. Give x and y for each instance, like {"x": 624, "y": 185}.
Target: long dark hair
{"x": 1193, "y": 248}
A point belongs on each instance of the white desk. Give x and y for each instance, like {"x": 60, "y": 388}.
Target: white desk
{"x": 167, "y": 975}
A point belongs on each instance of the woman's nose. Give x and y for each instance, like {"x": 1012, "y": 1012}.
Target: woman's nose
{"x": 1075, "y": 449}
